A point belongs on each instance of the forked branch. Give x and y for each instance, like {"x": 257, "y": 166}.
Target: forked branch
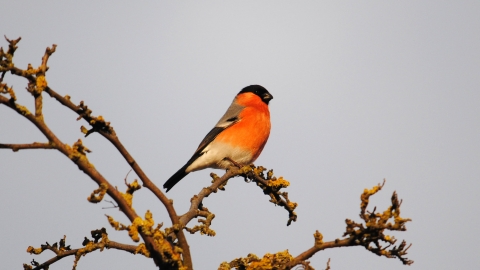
{"x": 99, "y": 242}
{"x": 371, "y": 234}
{"x": 37, "y": 84}
{"x": 269, "y": 184}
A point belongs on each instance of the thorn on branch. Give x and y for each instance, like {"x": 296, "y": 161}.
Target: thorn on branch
{"x": 113, "y": 205}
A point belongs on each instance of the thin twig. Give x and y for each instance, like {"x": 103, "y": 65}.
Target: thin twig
{"x": 111, "y": 136}
{"x": 35, "y": 145}
{"x": 62, "y": 254}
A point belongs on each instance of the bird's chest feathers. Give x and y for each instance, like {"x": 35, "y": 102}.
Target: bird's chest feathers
{"x": 250, "y": 132}
{"x": 242, "y": 142}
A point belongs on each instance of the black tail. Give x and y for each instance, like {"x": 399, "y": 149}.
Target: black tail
{"x": 180, "y": 174}
{"x": 174, "y": 179}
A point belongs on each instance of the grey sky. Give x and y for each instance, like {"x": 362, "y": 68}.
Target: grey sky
{"x": 363, "y": 91}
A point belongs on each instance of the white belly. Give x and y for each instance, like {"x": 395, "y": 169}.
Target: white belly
{"x": 214, "y": 155}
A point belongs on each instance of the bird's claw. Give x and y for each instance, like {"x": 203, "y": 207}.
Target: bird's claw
{"x": 233, "y": 162}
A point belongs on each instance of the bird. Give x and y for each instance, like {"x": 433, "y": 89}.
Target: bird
{"x": 238, "y": 137}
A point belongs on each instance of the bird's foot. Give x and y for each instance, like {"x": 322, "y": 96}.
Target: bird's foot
{"x": 233, "y": 162}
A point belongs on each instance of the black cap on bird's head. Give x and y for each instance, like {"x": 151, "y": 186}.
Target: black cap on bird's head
{"x": 259, "y": 91}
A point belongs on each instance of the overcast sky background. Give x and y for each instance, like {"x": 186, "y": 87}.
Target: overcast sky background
{"x": 363, "y": 90}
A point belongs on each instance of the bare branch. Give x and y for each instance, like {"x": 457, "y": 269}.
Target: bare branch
{"x": 328, "y": 264}
{"x": 35, "y": 145}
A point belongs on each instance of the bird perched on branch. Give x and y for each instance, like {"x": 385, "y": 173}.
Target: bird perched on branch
{"x": 238, "y": 138}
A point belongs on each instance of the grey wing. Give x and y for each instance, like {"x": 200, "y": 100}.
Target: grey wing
{"x": 228, "y": 119}
{"x": 230, "y": 116}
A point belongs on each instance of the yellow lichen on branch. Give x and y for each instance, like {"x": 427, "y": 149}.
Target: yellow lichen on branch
{"x": 252, "y": 262}
{"x": 4, "y": 89}
{"x": 79, "y": 152}
{"x": 100, "y": 241}
{"x": 364, "y": 198}
{"x": 35, "y": 251}
{"x": 98, "y": 194}
{"x": 318, "y": 238}
{"x": 278, "y": 183}
{"x": 131, "y": 188}
{"x": 204, "y": 228}
{"x": 372, "y": 234}
{"x": 30, "y": 70}
{"x": 41, "y": 84}
{"x": 132, "y": 229}
{"x": 142, "y": 249}
{"x": 154, "y": 238}
{"x": 272, "y": 186}
{"x": 115, "y": 224}
{"x": 22, "y": 109}
{"x": 164, "y": 245}
{"x": 98, "y": 123}
{"x": 171, "y": 253}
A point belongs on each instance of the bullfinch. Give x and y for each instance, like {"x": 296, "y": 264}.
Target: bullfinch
{"x": 238, "y": 137}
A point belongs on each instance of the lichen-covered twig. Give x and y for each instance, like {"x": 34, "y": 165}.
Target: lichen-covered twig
{"x": 102, "y": 127}
{"x": 269, "y": 184}
{"x": 171, "y": 253}
{"x": 252, "y": 262}
{"x": 99, "y": 242}
{"x": 371, "y": 234}
{"x": 77, "y": 153}
{"x": 196, "y": 203}
{"x": 272, "y": 186}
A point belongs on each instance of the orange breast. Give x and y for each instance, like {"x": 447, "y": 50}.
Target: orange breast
{"x": 252, "y": 131}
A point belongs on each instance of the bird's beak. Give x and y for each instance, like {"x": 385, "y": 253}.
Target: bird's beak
{"x": 267, "y": 97}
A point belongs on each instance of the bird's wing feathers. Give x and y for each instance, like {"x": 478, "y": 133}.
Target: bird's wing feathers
{"x": 228, "y": 119}
{"x": 230, "y": 116}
